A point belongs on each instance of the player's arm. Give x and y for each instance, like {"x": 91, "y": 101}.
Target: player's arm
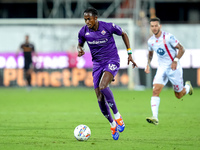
{"x": 34, "y": 53}
{"x": 150, "y": 56}
{"x": 80, "y": 49}
{"x": 19, "y": 50}
{"x": 126, "y": 42}
{"x": 181, "y": 51}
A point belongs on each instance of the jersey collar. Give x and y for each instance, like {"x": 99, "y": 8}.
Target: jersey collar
{"x": 97, "y": 29}
{"x": 159, "y": 36}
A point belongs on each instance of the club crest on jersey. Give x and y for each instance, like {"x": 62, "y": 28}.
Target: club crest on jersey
{"x": 112, "y": 67}
{"x": 103, "y": 32}
{"x": 172, "y": 37}
{"x": 160, "y": 51}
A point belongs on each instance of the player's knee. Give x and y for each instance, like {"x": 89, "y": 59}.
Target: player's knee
{"x": 101, "y": 87}
{"x": 178, "y": 95}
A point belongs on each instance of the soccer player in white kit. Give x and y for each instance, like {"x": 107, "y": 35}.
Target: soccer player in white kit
{"x": 165, "y": 45}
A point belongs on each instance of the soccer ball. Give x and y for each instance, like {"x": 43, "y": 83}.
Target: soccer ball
{"x": 82, "y": 132}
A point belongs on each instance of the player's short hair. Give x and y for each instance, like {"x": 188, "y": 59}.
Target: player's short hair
{"x": 155, "y": 19}
{"x": 91, "y": 10}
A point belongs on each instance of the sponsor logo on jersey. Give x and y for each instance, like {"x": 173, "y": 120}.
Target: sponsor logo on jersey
{"x": 112, "y": 67}
{"x": 98, "y": 42}
{"x": 172, "y": 37}
{"x": 103, "y": 32}
{"x": 160, "y": 51}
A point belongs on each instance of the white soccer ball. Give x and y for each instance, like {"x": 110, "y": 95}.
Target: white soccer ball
{"x": 82, "y": 132}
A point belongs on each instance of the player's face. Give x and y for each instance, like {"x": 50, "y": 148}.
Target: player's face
{"x": 90, "y": 20}
{"x": 27, "y": 38}
{"x": 155, "y": 27}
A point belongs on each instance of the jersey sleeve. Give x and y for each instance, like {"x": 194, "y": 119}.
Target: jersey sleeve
{"x": 21, "y": 46}
{"x": 149, "y": 45}
{"x": 33, "y": 48}
{"x": 115, "y": 29}
{"x": 172, "y": 40}
{"x": 81, "y": 38}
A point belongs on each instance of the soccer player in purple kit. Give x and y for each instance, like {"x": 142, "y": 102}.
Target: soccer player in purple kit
{"x": 106, "y": 62}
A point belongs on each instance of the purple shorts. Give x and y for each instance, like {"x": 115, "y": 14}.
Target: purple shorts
{"x": 110, "y": 66}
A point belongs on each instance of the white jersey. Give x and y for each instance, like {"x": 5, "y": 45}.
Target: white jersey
{"x": 165, "y": 54}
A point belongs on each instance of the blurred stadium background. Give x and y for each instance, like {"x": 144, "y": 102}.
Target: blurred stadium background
{"x": 53, "y": 27}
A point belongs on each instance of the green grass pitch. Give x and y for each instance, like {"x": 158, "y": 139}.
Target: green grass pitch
{"x": 45, "y": 118}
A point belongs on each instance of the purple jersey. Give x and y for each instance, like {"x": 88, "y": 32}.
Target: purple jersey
{"x": 101, "y": 42}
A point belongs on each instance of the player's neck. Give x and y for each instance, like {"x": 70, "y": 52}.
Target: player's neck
{"x": 96, "y": 26}
{"x": 159, "y": 34}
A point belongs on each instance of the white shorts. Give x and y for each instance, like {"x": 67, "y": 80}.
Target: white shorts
{"x": 174, "y": 76}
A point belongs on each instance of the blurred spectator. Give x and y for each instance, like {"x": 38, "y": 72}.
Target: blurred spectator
{"x": 28, "y": 50}
{"x": 143, "y": 24}
{"x": 72, "y": 55}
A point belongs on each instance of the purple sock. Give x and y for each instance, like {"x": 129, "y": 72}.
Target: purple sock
{"x": 110, "y": 99}
{"x": 105, "y": 110}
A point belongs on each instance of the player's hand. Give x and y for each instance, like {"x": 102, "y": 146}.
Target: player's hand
{"x": 147, "y": 69}
{"x": 131, "y": 59}
{"x": 174, "y": 65}
{"x": 80, "y": 51}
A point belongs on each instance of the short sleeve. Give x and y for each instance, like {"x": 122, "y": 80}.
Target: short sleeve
{"x": 33, "y": 47}
{"x": 172, "y": 40}
{"x": 115, "y": 29}
{"x": 81, "y": 38}
{"x": 149, "y": 45}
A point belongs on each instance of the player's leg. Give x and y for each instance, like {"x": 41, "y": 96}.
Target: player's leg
{"x": 28, "y": 77}
{"x": 104, "y": 106}
{"x": 187, "y": 89}
{"x": 110, "y": 70}
{"x": 180, "y": 94}
{"x": 97, "y": 75}
{"x": 28, "y": 68}
{"x": 155, "y": 99}
{"x": 159, "y": 82}
{"x": 26, "y": 74}
{"x": 176, "y": 78}
{"x": 105, "y": 90}
{"x": 106, "y": 112}
{"x": 30, "y": 71}
{"x": 155, "y": 102}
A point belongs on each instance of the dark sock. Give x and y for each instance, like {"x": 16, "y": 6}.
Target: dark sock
{"x": 29, "y": 80}
{"x": 105, "y": 110}
{"x": 110, "y": 99}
